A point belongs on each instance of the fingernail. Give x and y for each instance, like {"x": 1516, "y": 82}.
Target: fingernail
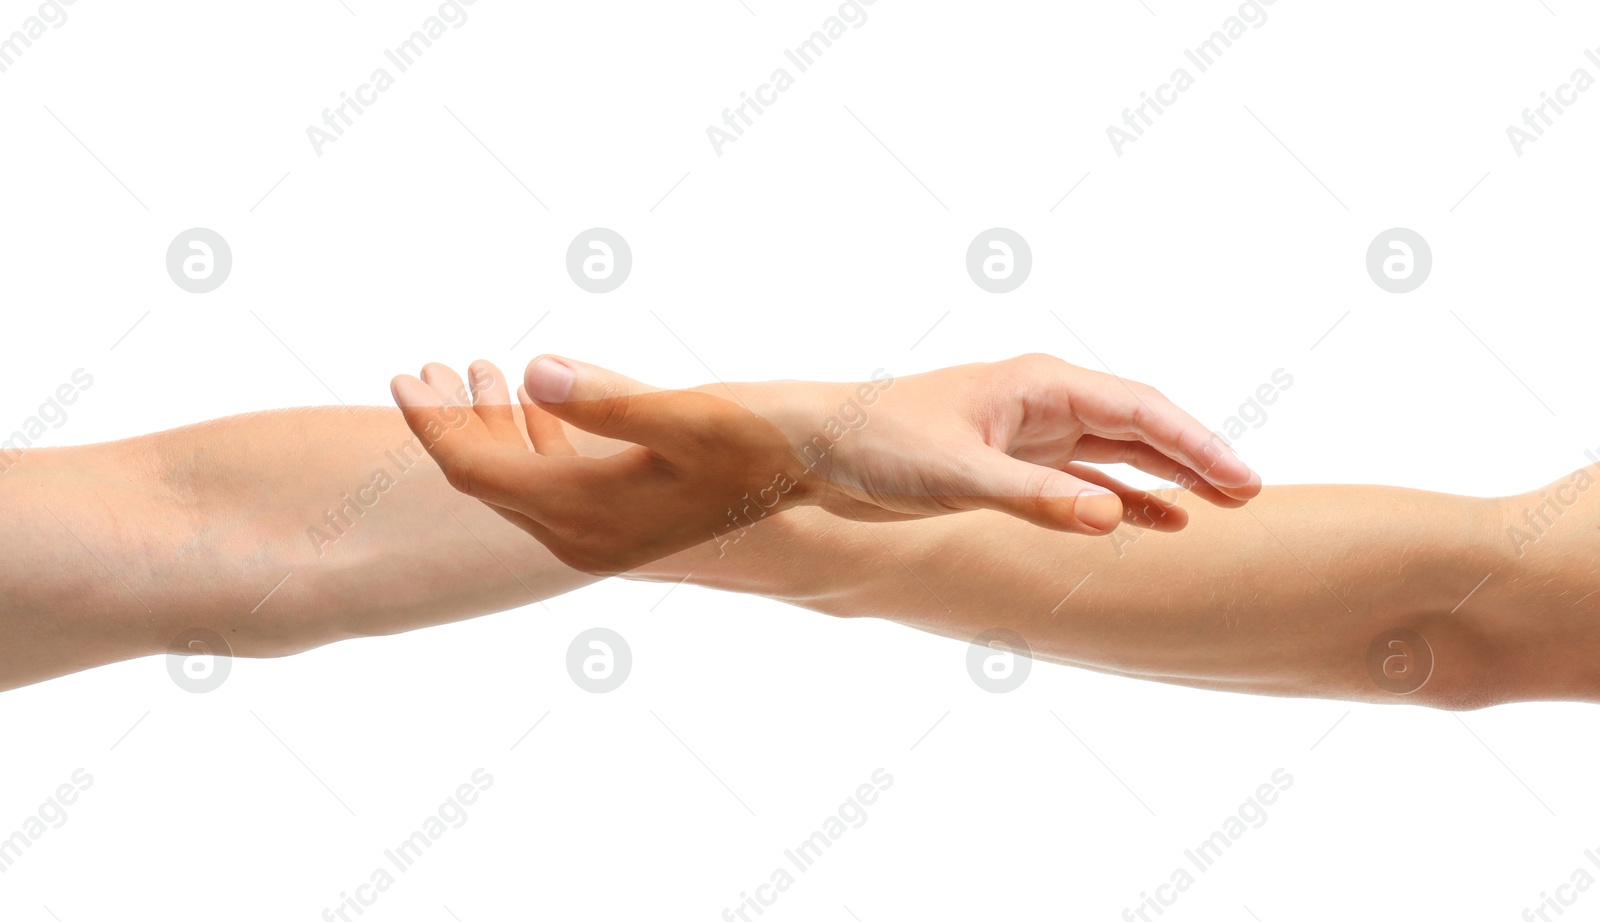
{"x": 1098, "y": 508}
{"x": 549, "y": 381}
{"x": 478, "y": 376}
{"x": 409, "y": 392}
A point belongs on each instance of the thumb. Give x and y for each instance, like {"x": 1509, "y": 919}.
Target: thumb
{"x": 1044, "y": 496}
{"x": 593, "y": 399}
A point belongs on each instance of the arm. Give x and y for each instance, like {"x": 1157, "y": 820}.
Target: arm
{"x": 282, "y": 531}
{"x": 1289, "y": 598}
{"x": 115, "y": 549}
{"x": 119, "y": 547}
{"x": 1323, "y": 591}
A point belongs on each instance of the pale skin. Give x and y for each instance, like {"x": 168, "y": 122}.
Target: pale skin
{"x": 684, "y": 465}
{"x": 121, "y": 547}
{"x": 272, "y": 530}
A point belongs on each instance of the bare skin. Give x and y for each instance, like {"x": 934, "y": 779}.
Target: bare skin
{"x": 1285, "y": 600}
{"x": 283, "y": 531}
{"x": 687, "y": 465}
{"x": 118, "y": 548}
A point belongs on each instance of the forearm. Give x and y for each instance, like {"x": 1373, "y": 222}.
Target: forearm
{"x": 1284, "y": 597}
{"x": 118, "y": 548}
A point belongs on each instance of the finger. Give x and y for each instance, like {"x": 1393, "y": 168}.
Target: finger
{"x": 491, "y": 399}
{"x": 447, "y": 384}
{"x": 1042, "y": 495}
{"x": 549, "y": 436}
{"x": 1140, "y": 508}
{"x": 473, "y": 461}
{"x": 427, "y": 412}
{"x": 1142, "y": 457}
{"x": 1115, "y": 408}
{"x": 611, "y": 405}
{"x": 520, "y": 419}
{"x": 451, "y": 397}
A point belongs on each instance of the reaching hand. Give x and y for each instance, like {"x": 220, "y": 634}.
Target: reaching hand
{"x": 1012, "y": 436}
{"x": 697, "y": 462}
{"x": 1009, "y": 436}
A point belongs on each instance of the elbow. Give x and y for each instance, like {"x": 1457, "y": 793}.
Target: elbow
{"x": 1457, "y": 665}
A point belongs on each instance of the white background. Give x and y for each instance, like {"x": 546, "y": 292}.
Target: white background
{"x": 1201, "y": 260}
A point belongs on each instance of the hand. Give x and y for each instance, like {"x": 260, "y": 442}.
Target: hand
{"x": 1009, "y": 436}
{"x": 698, "y": 466}
{"x": 1003, "y": 436}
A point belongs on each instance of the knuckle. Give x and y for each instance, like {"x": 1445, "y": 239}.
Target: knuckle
{"x": 1038, "y": 491}
{"x": 706, "y": 425}
{"x": 616, "y": 412}
{"x": 1037, "y": 361}
{"x": 459, "y": 473}
{"x": 1138, "y": 416}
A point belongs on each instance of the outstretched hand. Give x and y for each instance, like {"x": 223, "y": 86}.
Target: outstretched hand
{"x": 1018, "y": 436}
{"x": 693, "y": 463}
{"x": 1012, "y": 436}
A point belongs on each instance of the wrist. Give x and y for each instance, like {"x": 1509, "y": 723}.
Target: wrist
{"x": 800, "y": 410}
{"x": 817, "y": 418}
{"x": 784, "y": 556}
